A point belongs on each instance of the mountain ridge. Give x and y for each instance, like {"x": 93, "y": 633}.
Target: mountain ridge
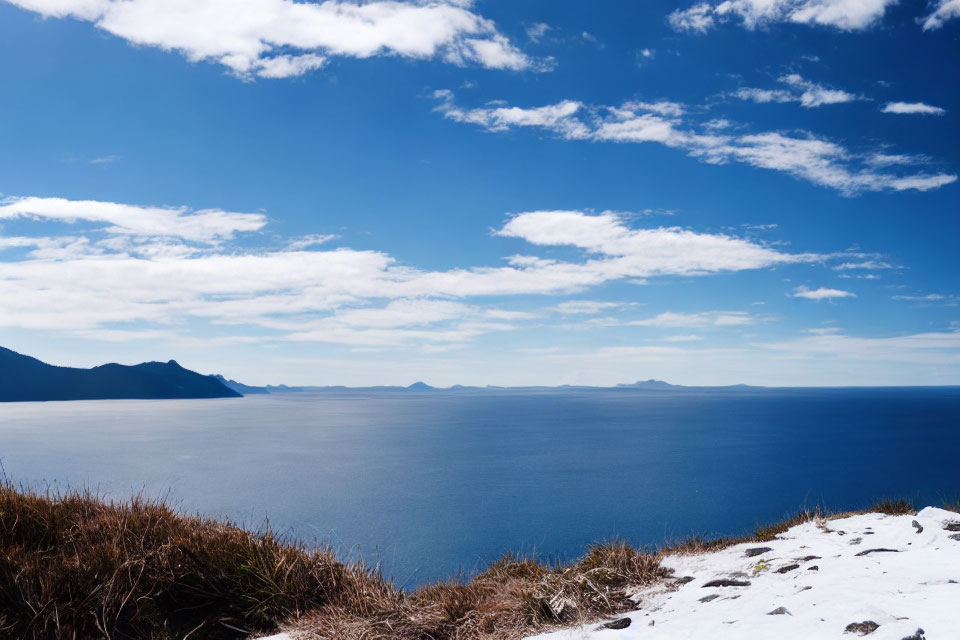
{"x": 24, "y": 378}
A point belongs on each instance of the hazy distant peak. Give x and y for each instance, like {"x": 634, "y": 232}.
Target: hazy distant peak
{"x": 651, "y": 384}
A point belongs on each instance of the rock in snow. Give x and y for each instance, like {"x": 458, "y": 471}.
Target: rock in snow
{"x": 910, "y": 595}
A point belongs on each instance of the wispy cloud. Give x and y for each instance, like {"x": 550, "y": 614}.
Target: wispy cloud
{"x": 110, "y": 159}
{"x": 702, "y": 319}
{"x": 754, "y": 14}
{"x": 943, "y": 11}
{"x": 808, "y": 94}
{"x": 203, "y": 225}
{"x": 927, "y": 348}
{"x": 912, "y": 108}
{"x": 312, "y": 240}
{"x": 584, "y": 307}
{"x": 800, "y": 154}
{"x": 537, "y": 31}
{"x": 283, "y": 38}
{"x": 822, "y": 293}
{"x": 865, "y": 264}
{"x": 945, "y": 299}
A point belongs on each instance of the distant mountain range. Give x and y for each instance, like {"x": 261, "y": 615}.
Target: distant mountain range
{"x": 23, "y": 378}
{"x": 643, "y": 385}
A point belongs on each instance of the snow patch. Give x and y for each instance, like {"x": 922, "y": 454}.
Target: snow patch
{"x": 816, "y": 580}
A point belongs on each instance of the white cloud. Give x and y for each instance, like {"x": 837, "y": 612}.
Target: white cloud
{"x": 683, "y": 338}
{"x": 928, "y": 348}
{"x": 312, "y": 240}
{"x": 808, "y": 94}
{"x": 144, "y": 271}
{"x": 912, "y": 108}
{"x": 537, "y": 30}
{"x": 946, "y": 299}
{"x": 702, "y": 319}
{"x": 282, "y": 38}
{"x": 822, "y": 293}
{"x": 865, "y": 264}
{"x": 584, "y": 307}
{"x": 943, "y": 11}
{"x": 892, "y": 159}
{"x": 559, "y": 117}
{"x": 848, "y": 15}
{"x": 105, "y": 159}
{"x": 823, "y": 331}
{"x": 801, "y": 155}
{"x": 203, "y": 225}
{"x": 698, "y": 18}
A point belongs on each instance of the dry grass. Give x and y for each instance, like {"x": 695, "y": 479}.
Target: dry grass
{"x": 894, "y": 507}
{"x": 512, "y": 598}
{"x": 952, "y": 505}
{"x": 75, "y": 567}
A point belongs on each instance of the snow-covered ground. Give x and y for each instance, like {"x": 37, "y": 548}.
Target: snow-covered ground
{"x": 878, "y": 576}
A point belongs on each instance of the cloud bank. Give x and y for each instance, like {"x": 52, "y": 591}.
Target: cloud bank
{"x": 283, "y": 38}
{"x": 157, "y": 269}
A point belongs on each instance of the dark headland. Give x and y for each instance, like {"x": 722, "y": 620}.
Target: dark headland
{"x": 23, "y": 378}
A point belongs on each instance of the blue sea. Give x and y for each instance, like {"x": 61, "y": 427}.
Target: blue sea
{"x": 440, "y": 483}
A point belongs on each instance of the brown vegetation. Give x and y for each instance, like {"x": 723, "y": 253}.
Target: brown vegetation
{"x": 74, "y": 566}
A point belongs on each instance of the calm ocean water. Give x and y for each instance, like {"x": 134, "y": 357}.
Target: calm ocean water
{"x": 434, "y": 483}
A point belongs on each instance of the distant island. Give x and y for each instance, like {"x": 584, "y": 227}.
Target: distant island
{"x": 23, "y": 379}
{"x": 642, "y": 385}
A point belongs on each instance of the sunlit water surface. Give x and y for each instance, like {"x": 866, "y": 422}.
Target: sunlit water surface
{"x": 432, "y": 483}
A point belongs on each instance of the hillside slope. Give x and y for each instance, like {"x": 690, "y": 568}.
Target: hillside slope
{"x": 23, "y": 378}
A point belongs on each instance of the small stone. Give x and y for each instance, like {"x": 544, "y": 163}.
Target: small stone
{"x": 863, "y": 553}
{"x": 726, "y": 582}
{"x": 918, "y": 635}
{"x": 780, "y": 611}
{"x": 856, "y": 541}
{"x": 621, "y": 623}
{"x": 710, "y": 598}
{"x": 862, "y": 628}
{"x": 916, "y": 525}
{"x": 955, "y": 536}
{"x": 756, "y": 551}
{"x": 789, "y": 567}
{"x": 951, "y": 526}
{"x": 813, "y": 568}
{"x": 809, "y": 558}
{"x": 685, "y": 580}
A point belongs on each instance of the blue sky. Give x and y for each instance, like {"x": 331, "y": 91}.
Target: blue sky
{"x": 484, "y": 192}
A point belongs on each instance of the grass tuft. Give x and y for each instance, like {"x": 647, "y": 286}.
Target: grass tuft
{"x": 771, "y": 531}
{"x": 952, "y": 505}
{"x": 894, "y": 507}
